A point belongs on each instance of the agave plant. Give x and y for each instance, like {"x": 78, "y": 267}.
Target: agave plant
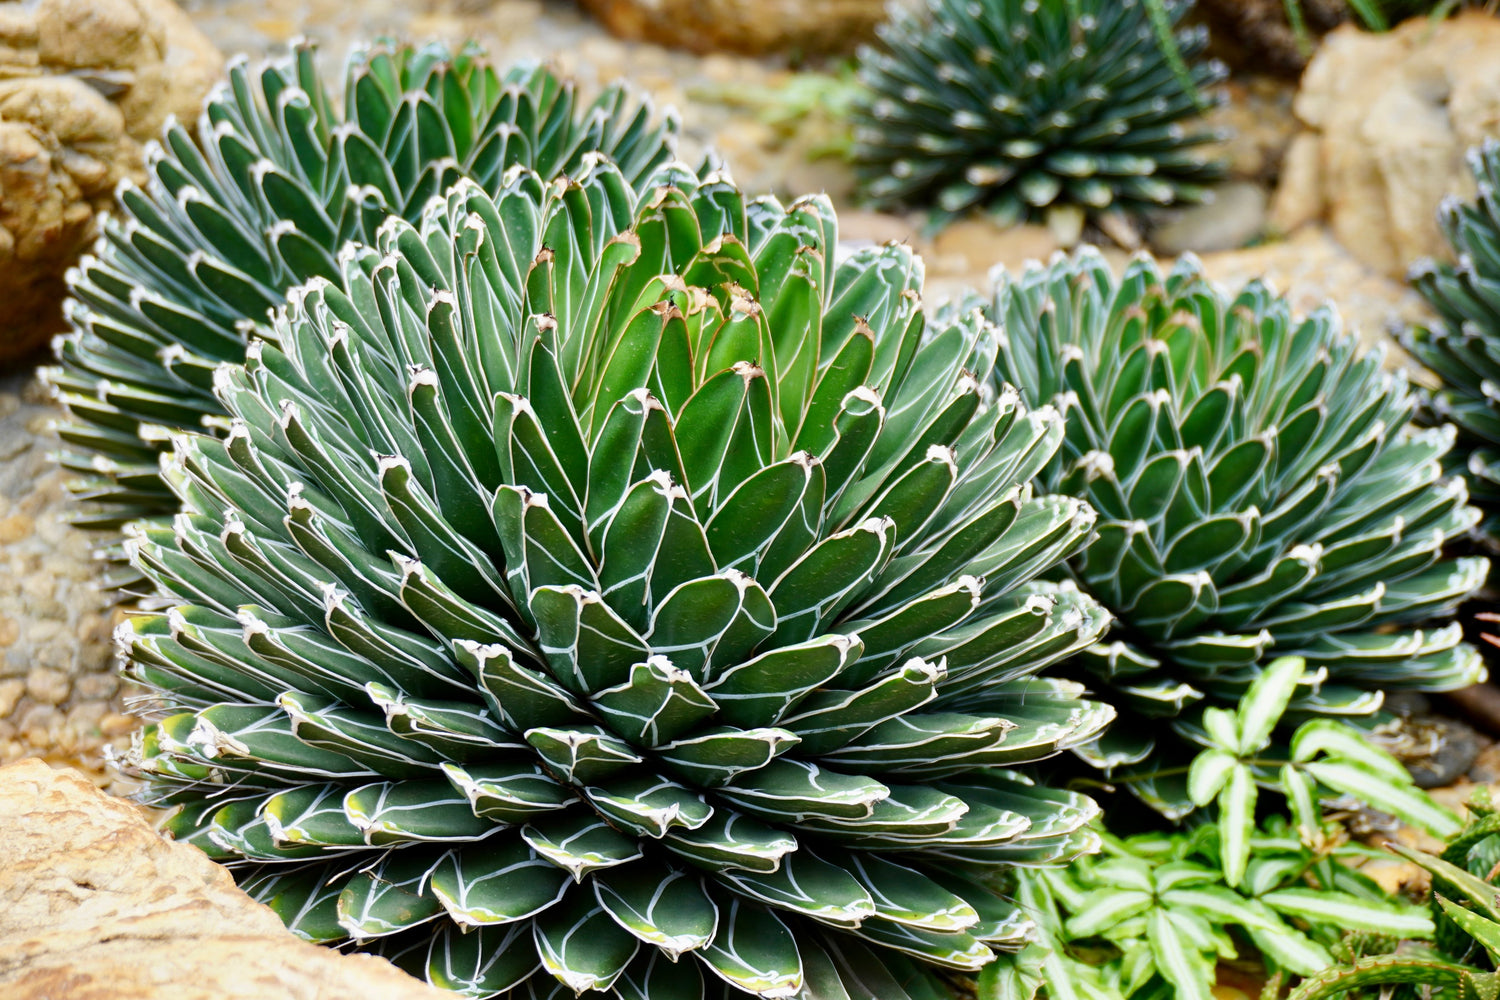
{"x": 1260, "y": 494}
{"x": 1015, "y": 106}
{"x": 585, "y": 583}
{"x": 276, "y": 181}
{"x": 1463, "y": 347}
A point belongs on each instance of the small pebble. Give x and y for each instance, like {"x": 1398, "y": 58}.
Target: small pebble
{"x": 15, "y": 528}
{"x": 10, "y": 693}
{"x": 50, "y": 687}
{"x": 1486, "y": 767}
{"x": 113, "y": 724}
{"x": 57, "y": 667}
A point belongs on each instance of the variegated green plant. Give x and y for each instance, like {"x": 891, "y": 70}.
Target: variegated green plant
{"x": 1466, "y": 912}
{"x": 1016, "y": 106}
{"x": 586, "y": 584}
{"x": 1320, "y": 760}
{"x": 1152, "y": 917}
{"x": 276, "y": 179}
{"x": 1260, "y": 494}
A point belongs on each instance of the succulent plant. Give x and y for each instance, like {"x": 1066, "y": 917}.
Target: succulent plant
{"x": 1463, "y": 347}
{"x": 1014, "y": 106}
{"x": 276, "y": 181}
{"x": 1260, "y": 493}
{"x": 586, "y": 581}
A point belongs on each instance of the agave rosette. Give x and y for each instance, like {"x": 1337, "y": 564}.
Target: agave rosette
{"x": 1015, "y": 106}
{"x": 1260, "y": 492}
{"x": 1463, "y": 347}
{"x": 278, "y": 178}
{"x": 587, "y": 583}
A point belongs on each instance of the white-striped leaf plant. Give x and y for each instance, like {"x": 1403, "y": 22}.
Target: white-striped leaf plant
{"x": 587, "y": 584}
{"x": 1151, "y": 917}
{"x": 278, "y": 176}
{"x": 1260, "y": 494}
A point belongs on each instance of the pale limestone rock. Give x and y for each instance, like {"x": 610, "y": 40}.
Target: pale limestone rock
{"x": 1389, "y": 118}
{"x": 1235, "y": 216}
{"x": 83, "y": 83}
{"x": 94, "y": 905}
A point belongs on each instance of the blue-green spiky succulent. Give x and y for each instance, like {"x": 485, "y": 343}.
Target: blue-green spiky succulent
{"x": 1260, "y": 494}
{"x": 279, "y": 177}
{"x": 1014, "y": 106}
{"x": 1463, "y": 347}
{"x": 588, "y": 582}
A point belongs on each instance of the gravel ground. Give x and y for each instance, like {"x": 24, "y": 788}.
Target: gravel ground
{"x": 59, "y": 696}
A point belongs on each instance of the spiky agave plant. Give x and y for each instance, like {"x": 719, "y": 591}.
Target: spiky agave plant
{"x": 595, "y": 583}
{"x": 1014, "y": 106}
{"x": 276, "y": 181}
{"x": 1260, "y": 494}
{"x": 1463, "y": 347}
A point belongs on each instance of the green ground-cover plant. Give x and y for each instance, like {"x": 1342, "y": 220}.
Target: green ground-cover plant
{"x": 587, "y": 581}
{"x": 1156, "y": 912}
{"x": 1260, "y": 494}
{"x": 1153, "y": 915}
{"x": 1016, "y": 106}
{"x": 1465, "y": 908}
{"x": 276, "y": 178}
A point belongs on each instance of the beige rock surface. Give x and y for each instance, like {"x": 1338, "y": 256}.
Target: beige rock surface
{"x": 82, "y": 84}
{"x": 1388, "y": 118}
{"x": 754, "y": 26}
{"x": 94, "y": 905}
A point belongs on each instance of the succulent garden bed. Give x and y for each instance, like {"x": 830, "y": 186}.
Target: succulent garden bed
{"x": 728, "y": 533}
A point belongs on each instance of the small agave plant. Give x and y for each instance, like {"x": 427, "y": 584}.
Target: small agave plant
{"x": 1463, "y": 347}
{"x": 278, "y": 178}
{"x": 617, "y": 594}
{"x": 1260, "y": 495}
{"x": 1015, "y": 106}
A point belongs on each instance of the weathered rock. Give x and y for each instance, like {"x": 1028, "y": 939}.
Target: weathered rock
{"x": 1235, "y": 216}
{"x": 82, "y": 84}
{"x": 1436, "y": 750}
{"x": 751, "y": 26}
{"x": 1486, "y": 767}
{"x": 94, "y": 905}
{"x": 1390, "y": 117}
